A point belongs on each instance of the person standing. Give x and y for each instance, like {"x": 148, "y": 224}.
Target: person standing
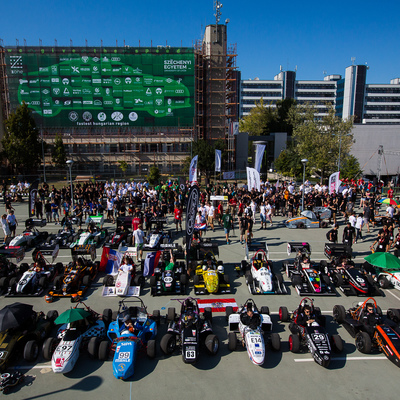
{"x": 210, "y": 216}
{"x": 227, "y": 221}
{"x": 12, "y": 222}
{"x": 178, "y": 216}
{"x": 348, "y": 234}
{"x": 359, "y": 225}
{"x": 6, "y": 228}
{"x": 138, "y": 240}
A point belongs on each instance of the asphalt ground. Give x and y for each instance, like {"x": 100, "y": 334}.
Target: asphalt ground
{"x": 351, "y": 375}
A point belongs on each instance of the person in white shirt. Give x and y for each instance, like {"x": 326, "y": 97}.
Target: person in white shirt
{"x": 359, "y": 226}
{"x": 253, "y": 207}
{"x": 263, "y": 216}
{"x": 390, "y": 211}
{"x": 138, "y": 240}
{"x": 353, "y": 219}
{"x": 210, "y": 216}
{"x": 126, "y": 265}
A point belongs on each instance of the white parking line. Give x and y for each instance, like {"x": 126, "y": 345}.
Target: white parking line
{"x": 343, "y": 359}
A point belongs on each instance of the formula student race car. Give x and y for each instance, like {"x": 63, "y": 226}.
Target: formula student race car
{"x": 81, "y": 329}
{"x": 254, "y": 336}
{"x": 127, "y": 342}
{"x": 386, "y": 277}
{"x": 313, "y": 335}
{"x": 124, "y": 283}
{"x": 189, "y": 331}
{"x": 22, "y": 330}
{"x": 260, "y": 278}
{"x": 309, "y": 219}
{"x": 158, "y": 235}
{"x": 122, "y": 235}
{"x": 343, "y": 273}
{"x": 78, "y": 275}
{"x": 306, "y": 278}
{"x": 35, "y": 280}
{"x": 9, "y": 270}
{"x": 31, "y": 237}
{"x": 94, "y": 235}
{"x": 173, "y": 281}
{"x": 210, "y": 277}
{"x": 63, "y": 238}
{"x": 381, "y": 336}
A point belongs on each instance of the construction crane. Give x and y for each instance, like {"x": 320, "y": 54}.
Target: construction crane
{"x": 381, "y": 154}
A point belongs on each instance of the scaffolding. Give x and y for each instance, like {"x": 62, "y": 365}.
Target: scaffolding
{"x": 4, "y": 97}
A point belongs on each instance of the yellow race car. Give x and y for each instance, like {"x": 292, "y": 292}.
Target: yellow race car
{"x": 210, "y": 277}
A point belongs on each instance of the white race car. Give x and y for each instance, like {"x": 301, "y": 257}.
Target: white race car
{"x": 253, "y": 336}
{"x": 85, "y": 334}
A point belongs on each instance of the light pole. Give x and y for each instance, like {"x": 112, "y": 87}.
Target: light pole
{"x": 304, "y": 161}
{"x": 69, "y": 163}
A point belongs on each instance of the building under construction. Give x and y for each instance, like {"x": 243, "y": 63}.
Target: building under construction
{"x": 133, "y": 106}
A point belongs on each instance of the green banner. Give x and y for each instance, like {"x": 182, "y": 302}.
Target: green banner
{"x": 103, "y": 87}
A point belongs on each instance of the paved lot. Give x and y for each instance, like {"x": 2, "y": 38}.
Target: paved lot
{"x": 228, "y": 375}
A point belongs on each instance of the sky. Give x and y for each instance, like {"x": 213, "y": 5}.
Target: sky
{"x": 316, "y": 38}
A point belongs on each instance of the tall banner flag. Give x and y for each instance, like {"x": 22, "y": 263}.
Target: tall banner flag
{"x": 110, "y": 261}
{"x": 151, "y": 262}
{"x": 233, "y": 129}
{"x": 193, "y": 170}
{"x": 191, "y": 212}
{"x": 253, "y": 179}
{"x": 218, "y": 160}
{"x": 334, "y": 182}
{"x": 33, "y": 192}
{"x": 260, "y": 148}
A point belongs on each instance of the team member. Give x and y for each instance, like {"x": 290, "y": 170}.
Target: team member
{"x": 249, "y": 318}
{"x": 138, "y": 240}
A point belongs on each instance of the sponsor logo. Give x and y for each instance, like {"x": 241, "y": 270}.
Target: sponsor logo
{"x": 133, "y": 116}
{"x": 117, "y": 116}
{"x": 87, "y": 116}
{"x": 101, "y": 116}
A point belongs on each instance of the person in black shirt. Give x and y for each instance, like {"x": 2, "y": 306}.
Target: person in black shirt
{"x": 371, "y": 319}
{"x": 332, "y": 235}
{"x": 250, "y": 318}
{"x": 306, "y": 317}
{"x": 349, "y": 233}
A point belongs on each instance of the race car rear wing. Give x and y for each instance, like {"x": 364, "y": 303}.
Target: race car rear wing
{"x": 253, "y": 247}
{"x": 47, "y": 250}
{"x": 298, "y": 246}
{"x": 35, "y": 222}
{"x": 82, "y": 250}
{"x": 17, "y": 252}
{"x": 96, "y": 219}
{"x": 337, "y": 250}
{"x": 204, "y": 247}
{"x": 125, "y": 221}
{"x": 177, "y": 251}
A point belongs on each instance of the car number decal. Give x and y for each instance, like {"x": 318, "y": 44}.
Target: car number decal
{"x": 190, "y": 354}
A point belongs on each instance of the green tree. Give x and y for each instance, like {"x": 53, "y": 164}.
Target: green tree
{"x": 154, "y": 175}
{"x": 21, "y": 143}
{"x": 59, "y": 155}
{"x": 350, "y": 168}
{"x": 320, "y": 140}
{"x": 289, "y": 163}
{"x": 206, "y": 160}
{"x": 123, "y": 166}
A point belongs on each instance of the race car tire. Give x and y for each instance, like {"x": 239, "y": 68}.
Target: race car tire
{"x": 76, "y": 237}
{"x": 279, "y": 278}
{"x": 323, "y": 264}
{"x": 104, "y": 350}
{"x": 58, "y": 282}
{"x": 23, "y": 267}
{"x": 4, "y": 282}
{"x": 325, "y": 279}
{"x": 129, "y": 240}
{"x": 48, "y": 348}
{"x": 52, "y": 315}
{"x": 107, "y": 316}
{"x": 324, "y": 224}
{"x": 43, "y": 282}
{"x": 337, "y": 343}
{"x": 370, "y": 280}
{"x": 228, "y": 312}
{"x": 212, "y": 344}
{"x": 339, "y": 279}
{"x": 114, "y": 315}
{"x": 294, "y": 343}
{"x": 383, "y": 282}
{"x": 49, "y": 239}
{"x": 59, "y": 268}
{"x": 183, "y": 279}
{"x": 139, "y": 280}
{"x": 249, "y": 279}
{"x": 151, "y": 349}
{"x": 208, "y": 313}
{"x": 13, "y": 283}
{"x": 86, "y": 280}
{"x": 275, "y": 342}
{"x": 393, "y": 314}
{"x": 153, "y": 281}
{"x": 93, "y": 347}
{"x": 196, "y": 280}
{"x": 296, "y": 280}
{"x": 264, "y": 310}
{"x": 107, "y": 239}
{"x": 226, "y": 278}
{"x": 108, "y": 280}
{"x": 31, "y": 350}
{"x": 156, "y": 316}
{"x": 339, "y": 313}
{"x": 283, "y": 314}
{"x": 232, "y": 341}
{"x": 363, "y": 342}
{"x": 171, "y": 314}
{"x": 322, "y": 320}
{"x": 243, "y": 266}
{"x": 168, "y": 343}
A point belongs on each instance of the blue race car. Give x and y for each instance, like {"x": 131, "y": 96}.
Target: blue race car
{"x": 133, "y": 330}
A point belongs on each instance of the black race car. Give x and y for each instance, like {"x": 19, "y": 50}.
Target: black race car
{"x": 122, "y": 235}
{"x": 168, "y": 281}
{"x": 306, "y": 276}
{"x": 63, "y": 238}
{"x": 310, "y": 335}
{"x": 158, "y": 234}
{"x": 189, "y": 331}
{"x": 9, "y": 270}
{"x": 343, "y": 273}
{"x": 370, "y": 330}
